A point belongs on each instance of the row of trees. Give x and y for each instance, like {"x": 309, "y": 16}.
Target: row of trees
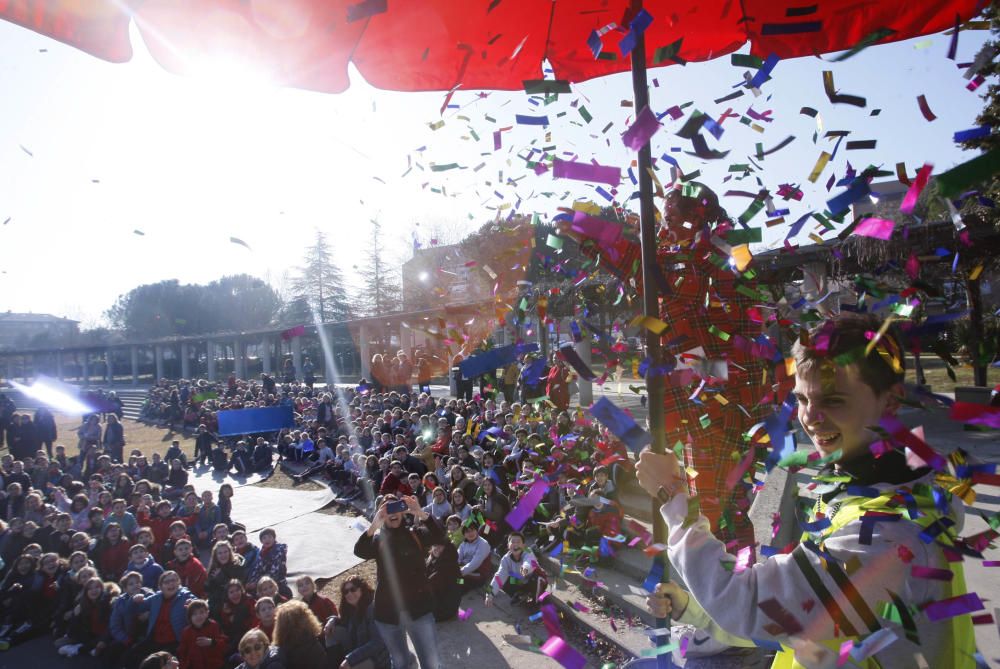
{"x": 243, "y": 302}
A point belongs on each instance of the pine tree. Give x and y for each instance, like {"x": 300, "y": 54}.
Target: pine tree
{"x": 380, "y": 289}
{"x": 320, "y": 283}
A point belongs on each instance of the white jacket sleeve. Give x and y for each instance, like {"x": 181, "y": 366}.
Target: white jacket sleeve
{"x": 798, "y": 595}
{"x": 482, "y": 551}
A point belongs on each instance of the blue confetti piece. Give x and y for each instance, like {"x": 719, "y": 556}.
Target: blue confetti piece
{"x": 655, "y": 576}
{"x": 595, "y": 43}
{"x": 972, "y": 133}
{"x": 765, "y": 71}
{"x": 842, "y": 202}
{"x": 524, "y": 119}
{"x": 605, "y": 194}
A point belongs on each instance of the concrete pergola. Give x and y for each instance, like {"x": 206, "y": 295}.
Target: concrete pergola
{"x": 208, "y": 356}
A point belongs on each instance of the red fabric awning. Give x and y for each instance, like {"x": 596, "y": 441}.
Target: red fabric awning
{"x": 419, "y": 45}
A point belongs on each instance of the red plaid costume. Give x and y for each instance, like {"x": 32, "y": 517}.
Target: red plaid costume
{"x": 702, "y": 297}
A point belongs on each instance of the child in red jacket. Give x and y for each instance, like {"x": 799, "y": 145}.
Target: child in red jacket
{"x": 189, "y": 568}
{"x": 203, "y": 644}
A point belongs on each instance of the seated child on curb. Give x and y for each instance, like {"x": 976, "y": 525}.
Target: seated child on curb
{"x": 519, "y": 574}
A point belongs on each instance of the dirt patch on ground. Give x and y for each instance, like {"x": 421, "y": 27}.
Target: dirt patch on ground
{"x": 330, "y": 587}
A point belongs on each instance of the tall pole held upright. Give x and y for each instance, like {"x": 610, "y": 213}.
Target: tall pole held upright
{"x": 650, "y": 301}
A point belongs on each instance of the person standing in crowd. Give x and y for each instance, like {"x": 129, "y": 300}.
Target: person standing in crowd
{"x": 45, "y": 429}
{"x": 309, "y": 372}
{"x": 403, "y": 596}
{"x": 114, "y": 438}
{"x": 203, "y": 445}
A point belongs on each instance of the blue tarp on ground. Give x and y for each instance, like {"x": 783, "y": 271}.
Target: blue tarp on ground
{"x": 250, "y": 421}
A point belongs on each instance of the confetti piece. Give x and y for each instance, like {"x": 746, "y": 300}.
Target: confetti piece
{"x": 620, "y": 424}
{"x": 560, "y": 651}
{"x": 366, "y": 9}
{"x": 865, "y": 42}
{"x": 955, "y": 180}
{"x": 925, "y": 108}
{"x": 524, "y": 509}
{"x": 25, "y": 149}
{"x": 464, "y": 614}
{"x": 917, "y": 187}
{"x": 660, "y": 650}
{"x": 545, "y": 86}
{"x": 817, "y": 169}
{"x": 953, "y": 606}
{"x": 562, "y": 169}
{"x": 858, "y": 145}
{"x": 237, "y": 240}
{"x": 641, "y": 130}
{"x": 135, "y": 232}
{"x": 524, "y": 119}
{"x": 877, "y": 228}
{"x": 972, "y": 134}
{"x": 932, "y": 573}
{"x": 838, "y": 98}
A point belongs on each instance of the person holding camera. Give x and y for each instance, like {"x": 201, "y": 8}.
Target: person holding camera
{"x": 403, "y": 597}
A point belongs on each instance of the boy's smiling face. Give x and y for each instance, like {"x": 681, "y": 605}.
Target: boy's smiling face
{"x": 837, "y": 416}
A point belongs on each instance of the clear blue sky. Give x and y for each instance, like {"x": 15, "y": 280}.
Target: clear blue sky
{"x": 193, "y": 162}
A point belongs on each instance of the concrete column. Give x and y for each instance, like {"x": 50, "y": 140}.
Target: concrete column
{"x": 297, "y": 356}
{"x": 265, "y": 354}
{"x": 365, "y": 352}
{"x": 158, "y": 357}
{"x": 586, "y": 387}
{"x": 210, "y": 358}
{"x": 238, "y": 359}
{"x": 109, "y": 361}
{"x": 135, "y": 365}
{"x": 185, "y": 360}
{"x": 59, "y": 365}
{"x": 86, "y": 368}
{"x": 406, "y": 339}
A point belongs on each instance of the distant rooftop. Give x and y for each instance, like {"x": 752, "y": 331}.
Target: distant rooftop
{"x": 11, "y": 317}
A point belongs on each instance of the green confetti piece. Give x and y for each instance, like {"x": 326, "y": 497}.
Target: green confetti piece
{"x": 739, "y": 167}
{"x": 660, "y": 650}
{"x": 545, "y": 86}
{"x": 955, "y": 180}
{"x": 746, "y": 60}
{"x": 744, "y": 236}
{"x": 668, "y": 52}
{"x": 752, "y": 211}
{"x": 607, "y": 55}
{"x": 554, "y": 242}
{"x": 444, "y": 168}
{"x": 585, "y": 114}
{"x": 705, "y": 421}
{"x": 474, "y": 135}
{"x": 721, "y": 334}
{"x": 865, "y": 42}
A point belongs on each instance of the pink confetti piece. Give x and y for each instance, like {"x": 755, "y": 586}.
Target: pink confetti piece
{"x": 464, "y": 614}
{"x": 742, "y": 559}
{"x": 562, "y": 169}
{"x": 877, "y": 228}
{"x": 845, "y": 652}
{"x": 932, "y": 573}
{"x": 913, "y": 194}
{"x": 563, "y": 653}
{"x": 641, "y": 130}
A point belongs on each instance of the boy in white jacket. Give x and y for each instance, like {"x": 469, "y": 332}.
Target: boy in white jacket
{"x": 872, "y": 576}
{"x": 473, "y": 558}
{"x": 519, "y": 574}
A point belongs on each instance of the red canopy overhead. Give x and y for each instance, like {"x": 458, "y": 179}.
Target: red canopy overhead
{"x": 481, "y": 44}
